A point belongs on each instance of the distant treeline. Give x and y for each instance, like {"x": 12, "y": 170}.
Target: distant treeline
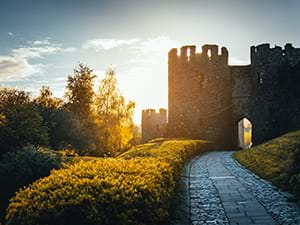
{"x": 93, "y": 123}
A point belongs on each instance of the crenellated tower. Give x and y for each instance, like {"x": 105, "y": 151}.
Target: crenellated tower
{"x": 200, "y": 94}
{"x": 208, "y": 97}
{"x": 154, "y": 124}
{"x": 275, "y": 82}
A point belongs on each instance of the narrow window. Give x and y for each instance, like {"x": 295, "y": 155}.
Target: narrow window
{"x": 209, "y": 54}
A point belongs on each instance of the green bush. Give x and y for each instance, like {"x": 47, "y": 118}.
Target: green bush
{"x": 276, "y": 160}
{"x": 136, "y": 188}
{"x": 22, "y": 167}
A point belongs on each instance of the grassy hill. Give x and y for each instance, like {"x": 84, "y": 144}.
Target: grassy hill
{"x": 277, "y": 160}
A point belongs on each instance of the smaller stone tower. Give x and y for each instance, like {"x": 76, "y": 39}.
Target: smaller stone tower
{"x": 154, "y": 124}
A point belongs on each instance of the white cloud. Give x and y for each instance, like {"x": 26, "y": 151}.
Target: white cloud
{"x": 40, "y": 50}
{"x": 107, "y": 43}
{"x": 16, "y": 65}
{"x": 42, "y": 42}
{"x": 10, "y": 33}
{"x": 69, "y": 49}
{"x": 160, "y": 44}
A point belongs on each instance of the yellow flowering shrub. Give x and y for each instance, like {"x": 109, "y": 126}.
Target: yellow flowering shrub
{"x": 136, "y": 188}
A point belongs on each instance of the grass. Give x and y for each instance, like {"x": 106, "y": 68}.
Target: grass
{"x": 277, "y": 160}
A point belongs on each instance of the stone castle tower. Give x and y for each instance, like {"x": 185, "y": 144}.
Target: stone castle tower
{"x": 154, "y": 124}
{"x": 208, "y": 97}
{"x": 200, "y": 94}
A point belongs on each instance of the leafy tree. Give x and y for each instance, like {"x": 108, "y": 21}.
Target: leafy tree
{"x": 47, "y": 100}
{"x": 54, "y": 118}
{"x": 48, "y": 107}
{"x": 64, "y": 127}
{"x": 80, "y": 91}
{"x": 21, "y": 123}
{"x": 80, "y": 97}
{"x": 115, "y": 116}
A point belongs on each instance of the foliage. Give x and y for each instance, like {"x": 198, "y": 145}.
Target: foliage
{"x": 64, "y": 129}
{"x": 58, "y": 121}
{"x": 22, "y": 167}
{"x": 47, "y": 100}
{"x": 137, "y": 136}
{"x": 93, "y": 124}
{"x": 276, "y": 160}
{"x": 68, "y": 153}
{"x": 80, "y": 92}
{"x": 80, "y": 97}
{"x": 21, "y": 123}
{"x": 136, "y": 188}
{"x": 115, "y": 116}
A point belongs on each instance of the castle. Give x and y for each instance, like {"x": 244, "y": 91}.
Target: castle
{"x": 208, "y": 97}
{"x": 154, "y": 124}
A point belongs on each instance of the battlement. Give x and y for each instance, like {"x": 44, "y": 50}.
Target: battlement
{"x": 153, "y": 124}
{"x": 207, "y": 97}
{"x": 263, "y": 54}
{"x": 152, "y": 112}
{"x": 188, "y": 54}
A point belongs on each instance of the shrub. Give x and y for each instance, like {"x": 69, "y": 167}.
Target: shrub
{"x": 276, "y": 160}
{"x": 136, "y": 188}
{"x": 22, "y": 167}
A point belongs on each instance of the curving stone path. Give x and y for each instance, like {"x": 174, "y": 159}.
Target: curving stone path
{"x": 218, "y": 190}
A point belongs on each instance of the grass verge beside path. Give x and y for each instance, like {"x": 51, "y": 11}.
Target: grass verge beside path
{"x": 277, "y": 160}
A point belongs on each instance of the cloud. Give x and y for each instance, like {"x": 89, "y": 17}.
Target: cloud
{"x": 10, "y": 34}
{"x": 42, "y": 42}
{"x": 40, "y": 50}
{"x": 161, "y": 44}
{"x": 17, "y": 65}
{"x": 158, "y": 44}
{"x": 107, "y": 44}
{"x": 14, "y": 67}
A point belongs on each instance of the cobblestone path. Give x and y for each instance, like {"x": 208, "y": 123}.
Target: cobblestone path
{"x": 217, "y": 190}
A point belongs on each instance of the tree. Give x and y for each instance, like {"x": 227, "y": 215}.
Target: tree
{"x": 21, "y": 123}
{"x": 47, "y": 100}
{"x": 64, "y": 127}
{"x": 80, "y": 92}
{"x": 115, "y": 116}
{"x": 80, "y": 97}
{"x": 58, "y": 121}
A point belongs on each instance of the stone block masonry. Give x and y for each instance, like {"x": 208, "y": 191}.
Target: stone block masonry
{"x": 154, "y": 124}
{"x": 199, "y": 88}
{"x": 208, "y": 97}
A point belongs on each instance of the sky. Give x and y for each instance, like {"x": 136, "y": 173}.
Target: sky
{"x": 42, "y": 41}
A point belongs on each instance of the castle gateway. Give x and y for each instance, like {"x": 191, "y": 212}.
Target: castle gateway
{"x": 208, "y": 97}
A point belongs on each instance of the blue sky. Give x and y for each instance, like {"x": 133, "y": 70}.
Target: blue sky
{"x": 41, "y": 41}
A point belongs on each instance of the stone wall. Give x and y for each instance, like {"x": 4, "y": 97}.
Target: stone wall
{"x": 200, "y": 94}
{"x": 207, "y": 97}
{"x": 275, "y": 90}
{"x": 241, "y": 84}
{"x": 154, "y": 124}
